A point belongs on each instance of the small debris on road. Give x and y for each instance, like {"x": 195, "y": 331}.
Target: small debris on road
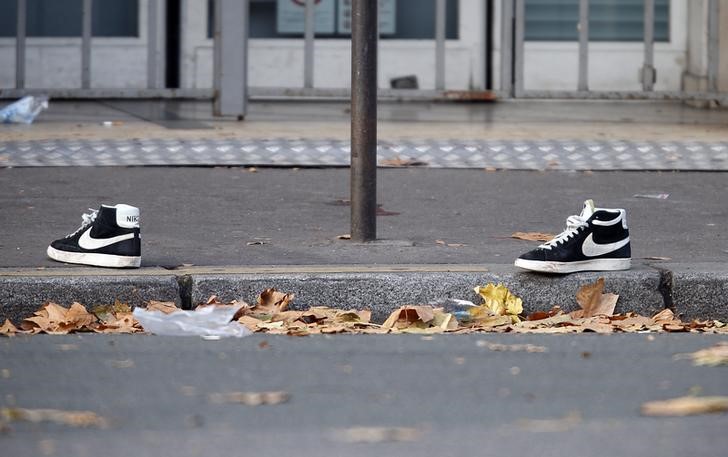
{"x": 561, "y": 424}
{"x": 712, "y": 356}
{"x": 686, "y": 406}
{"x": 80, "y": 419}
{"x": 251, "y": 398}
{"x": 532, "y": 236}
{"x": 375, "y": 434}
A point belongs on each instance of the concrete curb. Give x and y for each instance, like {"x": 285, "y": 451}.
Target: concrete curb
{"x": 21, "y": 296}
{"x": 691, "y": 290}
{"x": 383, "y": 292}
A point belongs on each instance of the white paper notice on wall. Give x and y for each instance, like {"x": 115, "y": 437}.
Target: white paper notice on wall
{"x": 291, "y": 16}
{"x": 387, "y": 17}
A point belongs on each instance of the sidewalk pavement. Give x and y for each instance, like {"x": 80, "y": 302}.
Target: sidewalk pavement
{"x": 232, "y": 231}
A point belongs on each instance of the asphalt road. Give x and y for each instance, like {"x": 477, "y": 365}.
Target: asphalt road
{"x": 580, "y": 398}
{"x": 230, "y": 216}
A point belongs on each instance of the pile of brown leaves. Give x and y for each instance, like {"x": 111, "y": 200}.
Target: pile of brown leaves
{"x": 500, "y": 312}
{"x": 55, "y": 319}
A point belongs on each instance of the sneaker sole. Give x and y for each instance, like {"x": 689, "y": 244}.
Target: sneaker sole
{"x": 97, "y": 260}
{"x": 573, "y": 267}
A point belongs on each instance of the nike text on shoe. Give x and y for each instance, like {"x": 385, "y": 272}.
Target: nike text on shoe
{"x": 595, "y": 240}
{"x": 108, "y": 237}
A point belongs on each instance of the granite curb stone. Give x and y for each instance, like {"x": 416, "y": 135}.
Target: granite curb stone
{"x": 21, "y": 296}
{"x": 691, "y": 290}
{"x": 384, "y": 292}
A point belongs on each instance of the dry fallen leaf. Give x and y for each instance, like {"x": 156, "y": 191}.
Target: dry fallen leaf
{"x": 53, "y": 318}
{"x": 8, "y": 329}
{"x": 270, "y": 301}
{"x": 402, "y": 162}
{"x": 561, "y": 424}
{"x": 375, "y": 434}
{"x": 712, "y": 356}
{"x": 119, "y": 323}
{"x": 664, "y": 316}
{"x": 82, "y": 419}
{"x": 251, "y": 398}
{"x": 594, "y": 302}
{"x": 532, "y": 236}
{"x": 408, "y": 316}
{"x": 77, "y": 317}
{"x": 511, "y": 347}
{"x": 166, "y": 307}
{"x": 685, "y": 406}
{"x": 104, "y": 312}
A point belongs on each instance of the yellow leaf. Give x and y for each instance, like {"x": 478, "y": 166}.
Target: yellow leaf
{"x": 499, "y": 301}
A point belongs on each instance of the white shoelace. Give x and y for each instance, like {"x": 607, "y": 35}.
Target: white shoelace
{"x": 573, "y": 224}
{"x": 88, "y": 219}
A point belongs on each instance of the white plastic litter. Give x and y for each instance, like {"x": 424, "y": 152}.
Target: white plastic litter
{"x": 24, "y": 110}
{"x": 209, "y": 321}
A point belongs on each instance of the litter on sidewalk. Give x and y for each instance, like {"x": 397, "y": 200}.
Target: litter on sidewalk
{"x": 204, "y": 321}
{"x": 24, "y": 111}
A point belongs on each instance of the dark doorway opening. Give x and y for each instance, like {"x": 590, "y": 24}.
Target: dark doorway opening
{"x": 173, "y": 49}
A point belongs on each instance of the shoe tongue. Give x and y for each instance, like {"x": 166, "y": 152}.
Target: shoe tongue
{"x": 588, "y": 209}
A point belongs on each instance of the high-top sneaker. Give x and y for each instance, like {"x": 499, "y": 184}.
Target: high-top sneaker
{"x": 595, "y": 240}
{"x": 108, "y": 237}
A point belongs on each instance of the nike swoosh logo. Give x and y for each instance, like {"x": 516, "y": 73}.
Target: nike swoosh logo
{"x": 592, "y": 249}
{"x": 90, "y": 244}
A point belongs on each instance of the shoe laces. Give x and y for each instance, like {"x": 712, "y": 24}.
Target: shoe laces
{"x": 573, "y": 224}
{"x": 88, "y": 219}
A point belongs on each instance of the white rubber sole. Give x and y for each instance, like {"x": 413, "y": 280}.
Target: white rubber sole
{"x": 97, "y": 260}
{"x": 573, "y": 267}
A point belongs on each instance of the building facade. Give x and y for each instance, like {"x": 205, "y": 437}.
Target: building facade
{"x": 407, "y": 47}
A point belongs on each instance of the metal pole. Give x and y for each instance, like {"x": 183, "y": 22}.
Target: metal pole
{"x": 583, "y": 45}
{"x": 230, "y": 58}
{"x": 364, "y": 34}
{"x": 520, "y": 35}
{"x": 20, "y": 44}
{"x": 152, "y": 43}
{"x": 440, "y": 23}
{"x": 507, "y": 47}
{"x": 309, "y": 33}
{"x": 86, "y": 45}
{"x": 713, "y": 45}
{"x": 648, "y": 69}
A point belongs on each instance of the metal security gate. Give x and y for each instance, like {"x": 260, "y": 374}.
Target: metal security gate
{"x": 513, "y": 22}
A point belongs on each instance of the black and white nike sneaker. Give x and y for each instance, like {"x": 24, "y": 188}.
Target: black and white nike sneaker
{"x": 108, "y": 237}
{"x": 595, "y": 240}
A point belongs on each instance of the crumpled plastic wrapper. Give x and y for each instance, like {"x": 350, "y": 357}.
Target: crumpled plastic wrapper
{"x": 24, "y": 111}
{"x": 208, "y": 321}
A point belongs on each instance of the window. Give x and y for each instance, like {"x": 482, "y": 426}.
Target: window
{"x": 411, "y": 19}
{"x": 63, "y": 18}
{"x": 609, "y": 20}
